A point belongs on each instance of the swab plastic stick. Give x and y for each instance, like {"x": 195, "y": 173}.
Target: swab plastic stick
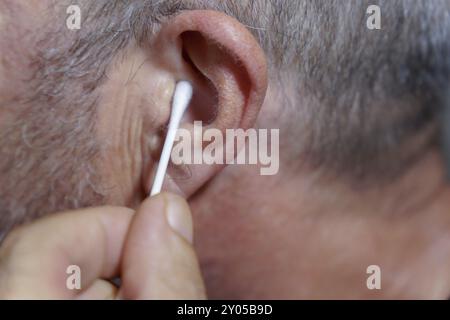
{"x": 180, "y": 102}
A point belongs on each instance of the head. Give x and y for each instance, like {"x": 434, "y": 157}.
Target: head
{"x": 361, "y": 179}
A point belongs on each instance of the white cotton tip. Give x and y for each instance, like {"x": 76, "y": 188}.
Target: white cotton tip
{"x": 181, "y": 98}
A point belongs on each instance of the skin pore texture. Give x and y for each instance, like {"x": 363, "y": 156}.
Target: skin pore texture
{"x": 303, "y": 233}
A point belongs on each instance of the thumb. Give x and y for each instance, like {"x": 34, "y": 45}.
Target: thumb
{"x": 159, "y": 261}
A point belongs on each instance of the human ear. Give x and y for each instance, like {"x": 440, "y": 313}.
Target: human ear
{"x": 227, "y": 69}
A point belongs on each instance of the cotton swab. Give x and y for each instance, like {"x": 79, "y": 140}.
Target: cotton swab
{"x": 181, "y": 99}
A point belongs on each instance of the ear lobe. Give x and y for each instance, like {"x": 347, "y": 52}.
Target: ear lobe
{"x": 227, "y": 68}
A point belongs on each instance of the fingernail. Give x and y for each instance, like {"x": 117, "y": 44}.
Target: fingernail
{"x": 179, "y": 216}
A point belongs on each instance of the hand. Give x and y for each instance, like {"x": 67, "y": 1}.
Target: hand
{"x": 150, "y": 250}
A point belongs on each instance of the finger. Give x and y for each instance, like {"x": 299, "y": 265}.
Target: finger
{"x": 159, "y": 261}
{"x": 34, "y": 258}
{"x": 99, "y": 290}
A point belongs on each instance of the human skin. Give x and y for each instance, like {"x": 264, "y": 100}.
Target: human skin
{"x": 150, "y": 249}
{"x": 299, "y": 234}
